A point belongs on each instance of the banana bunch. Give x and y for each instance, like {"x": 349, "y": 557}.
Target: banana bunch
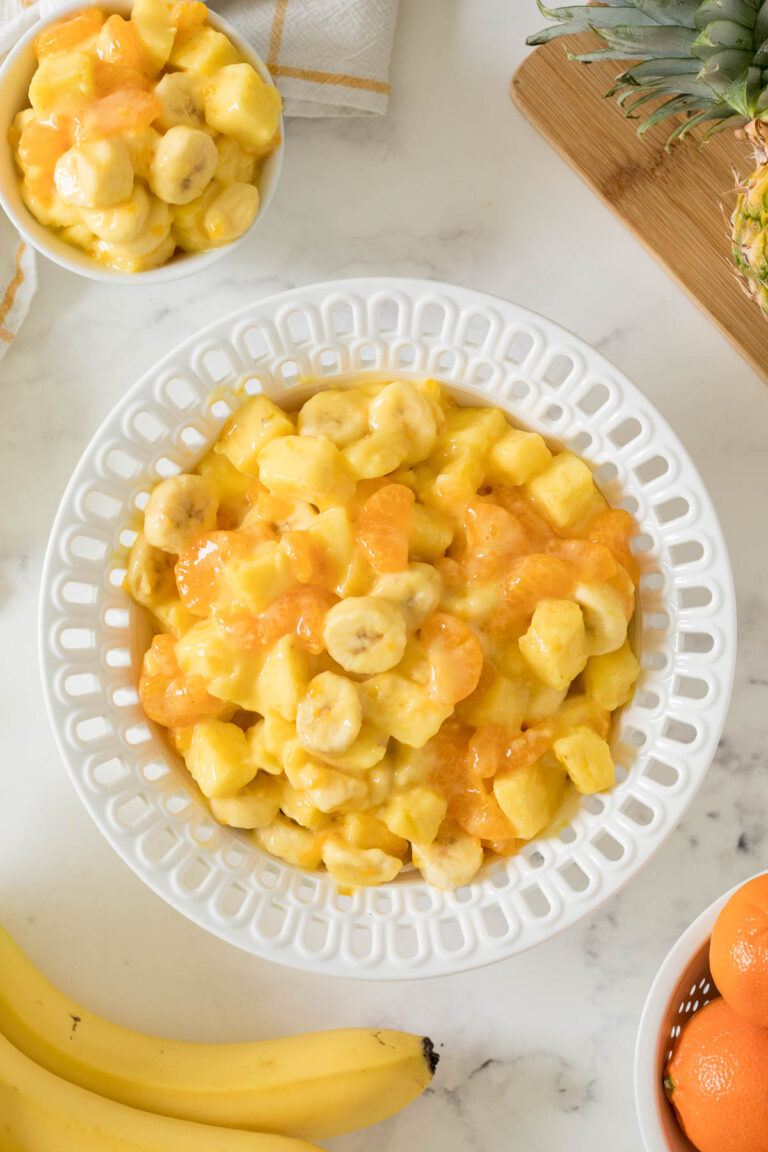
{"x": 74, "y": 1082}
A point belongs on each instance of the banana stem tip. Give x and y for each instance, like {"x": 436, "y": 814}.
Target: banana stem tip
{"x": 432, "y": 1058}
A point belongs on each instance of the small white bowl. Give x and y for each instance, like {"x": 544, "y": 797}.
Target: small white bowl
{"x": 15, "y": 75}
{"x": 682, "y": 986}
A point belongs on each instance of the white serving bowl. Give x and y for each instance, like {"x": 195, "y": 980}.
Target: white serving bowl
{"x": 15, "y": 75}
{"x": 92, "y": 637}
{"x": 682, "y": 986}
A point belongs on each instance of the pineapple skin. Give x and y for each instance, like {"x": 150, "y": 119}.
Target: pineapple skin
{"x": 749, "y": 222}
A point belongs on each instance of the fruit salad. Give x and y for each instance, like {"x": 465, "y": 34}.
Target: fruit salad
{"x": 391, "y": 631}
{"x": 144, "y": 136}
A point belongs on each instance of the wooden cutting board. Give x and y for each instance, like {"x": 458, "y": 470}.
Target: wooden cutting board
{"x": 675, "y": 202}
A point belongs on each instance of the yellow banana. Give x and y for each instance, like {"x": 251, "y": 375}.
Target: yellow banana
{"x": 40, "y": 1112}
{"x": 315, "y": 1086}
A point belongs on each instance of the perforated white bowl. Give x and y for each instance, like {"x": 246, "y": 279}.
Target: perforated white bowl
{"x": 682, "y": 986}
{"x": 92, "y": 638}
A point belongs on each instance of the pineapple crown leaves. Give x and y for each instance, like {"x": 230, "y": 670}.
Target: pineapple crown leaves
{"x": 707, "y": 60}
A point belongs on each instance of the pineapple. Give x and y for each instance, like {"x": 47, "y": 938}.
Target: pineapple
{"x": 704, "y": 61}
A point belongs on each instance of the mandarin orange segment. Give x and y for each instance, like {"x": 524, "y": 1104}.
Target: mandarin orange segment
{"x": 313, "y": 606}
{"x": 383, "y": 525}
{"x": 119, "y": 44}
{"x": 526, "y": 749}
{"x": 455, "y": 656}
{"x": 301, "y": 611}
{"x": 487, "y": 748}
{"x": 614, "y": 528}
{"x": 127, "y": 110}
{"x": 188, "y": 16}
{"x": 493, "y": 531}
{"x": 109, "y": 78}
{"x": 536, "y": 528}
{"x": 503, "y": 847}
{"x": 594, "y": 563}
{"x": 307, "y": 561}
{"x": 40, "y": 146}
{"x": 66, "y": 35}
{"x": 200, "y": 569}
{"x": 479, "y": 814}
{"x": 449, "y": 757}
{"x": 534, "y": 578}
{"x": 168, "y": 696}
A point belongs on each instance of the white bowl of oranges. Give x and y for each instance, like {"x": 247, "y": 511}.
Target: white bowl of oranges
{"x": 142, "y": 140}
{"x": 701, "y": 1079}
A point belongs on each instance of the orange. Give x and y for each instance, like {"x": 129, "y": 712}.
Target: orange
{"x": 717, "y": 1081}
{"x": 594, "y": 563}
{"x": 534, "y": 578}
{"x": 382, "y": 527}
{"x": 738, "y": 951}
{"x": 66, "y": 35}
{"x": 615, "y": 528}
{"x": 126, "y": 110}
{"x": 168, "y": 695}
{"x": 455, "y": 654}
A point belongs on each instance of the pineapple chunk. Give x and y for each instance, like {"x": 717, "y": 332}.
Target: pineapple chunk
{"x": 284, "y": 678}
{"x": 96, "y": 174}
{"x": 235, "y": 165}
{"x": 231, "y": 486}
{"x": 587, "y": 759}
{"x": 268, "y": 740}
{"x": 364, "y": 830}
{"x": 543, "y": 701}
{"x": 218, "y": 758}
{"x": 563, "y": 492}
{"x": 259, "y": 580}
{"x": 430, "y": 533}
{"x": 457, "y": 483}
{"x": 229, "y": 672}
{"x": 358, "y": 867}
{"x": 416, "y": 814}
{"x": 469, "y": 429}
{"x": 517, "y": 457}
{"x": 156, "y": 31}
{"x": 609, "y": 680}
{"x": 603, "y": 610}
{"x": 404, "y": 710}
{"x": 256, "y": 423}
{"x": 62, "y": 84}
{"x": 328, "y": 789}
{"x": 297, "y": 846}
{"x": 555, "y": 644}
{"x": 530, "y": 796}
{"x": 254, "y": 806}
{"x": 451, "y": 860}
{"x": 309, "y": 467}
{"x": 333, "y": 533}
{"x": 240, "y": 104}
{"x": 205, "y": 51}
{"x": 503, "y": 702}
{"x": 299, "y": 807}
{"x": 581, "y": 712}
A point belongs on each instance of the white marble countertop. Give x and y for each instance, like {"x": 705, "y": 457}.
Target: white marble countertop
{"x": 455, "y": 185}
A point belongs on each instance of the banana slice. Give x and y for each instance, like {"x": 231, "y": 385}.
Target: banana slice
{"x": 399, "y": 407}
{"x": 341, "y": 416}
{"x": 365, "y": 634}
{"x": 231, "y": 213}
{"x": 451, "y": 860}
{"x": 181, "y": 95}
{"x": 603, "y": 610}
{"x": 416, "y": 592}
{"x": 95, "y": 174}
{"x": 330, "y": 715}
{"x": 179, "y": 509}
{"x": 152, "y": 247}
{"x": 183, "y": 165}
{"x": 120, "y": 223}
{"x": 149, "y": 576}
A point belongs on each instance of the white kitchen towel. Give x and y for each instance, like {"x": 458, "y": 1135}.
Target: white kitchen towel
{"x": 328, "y": 58}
